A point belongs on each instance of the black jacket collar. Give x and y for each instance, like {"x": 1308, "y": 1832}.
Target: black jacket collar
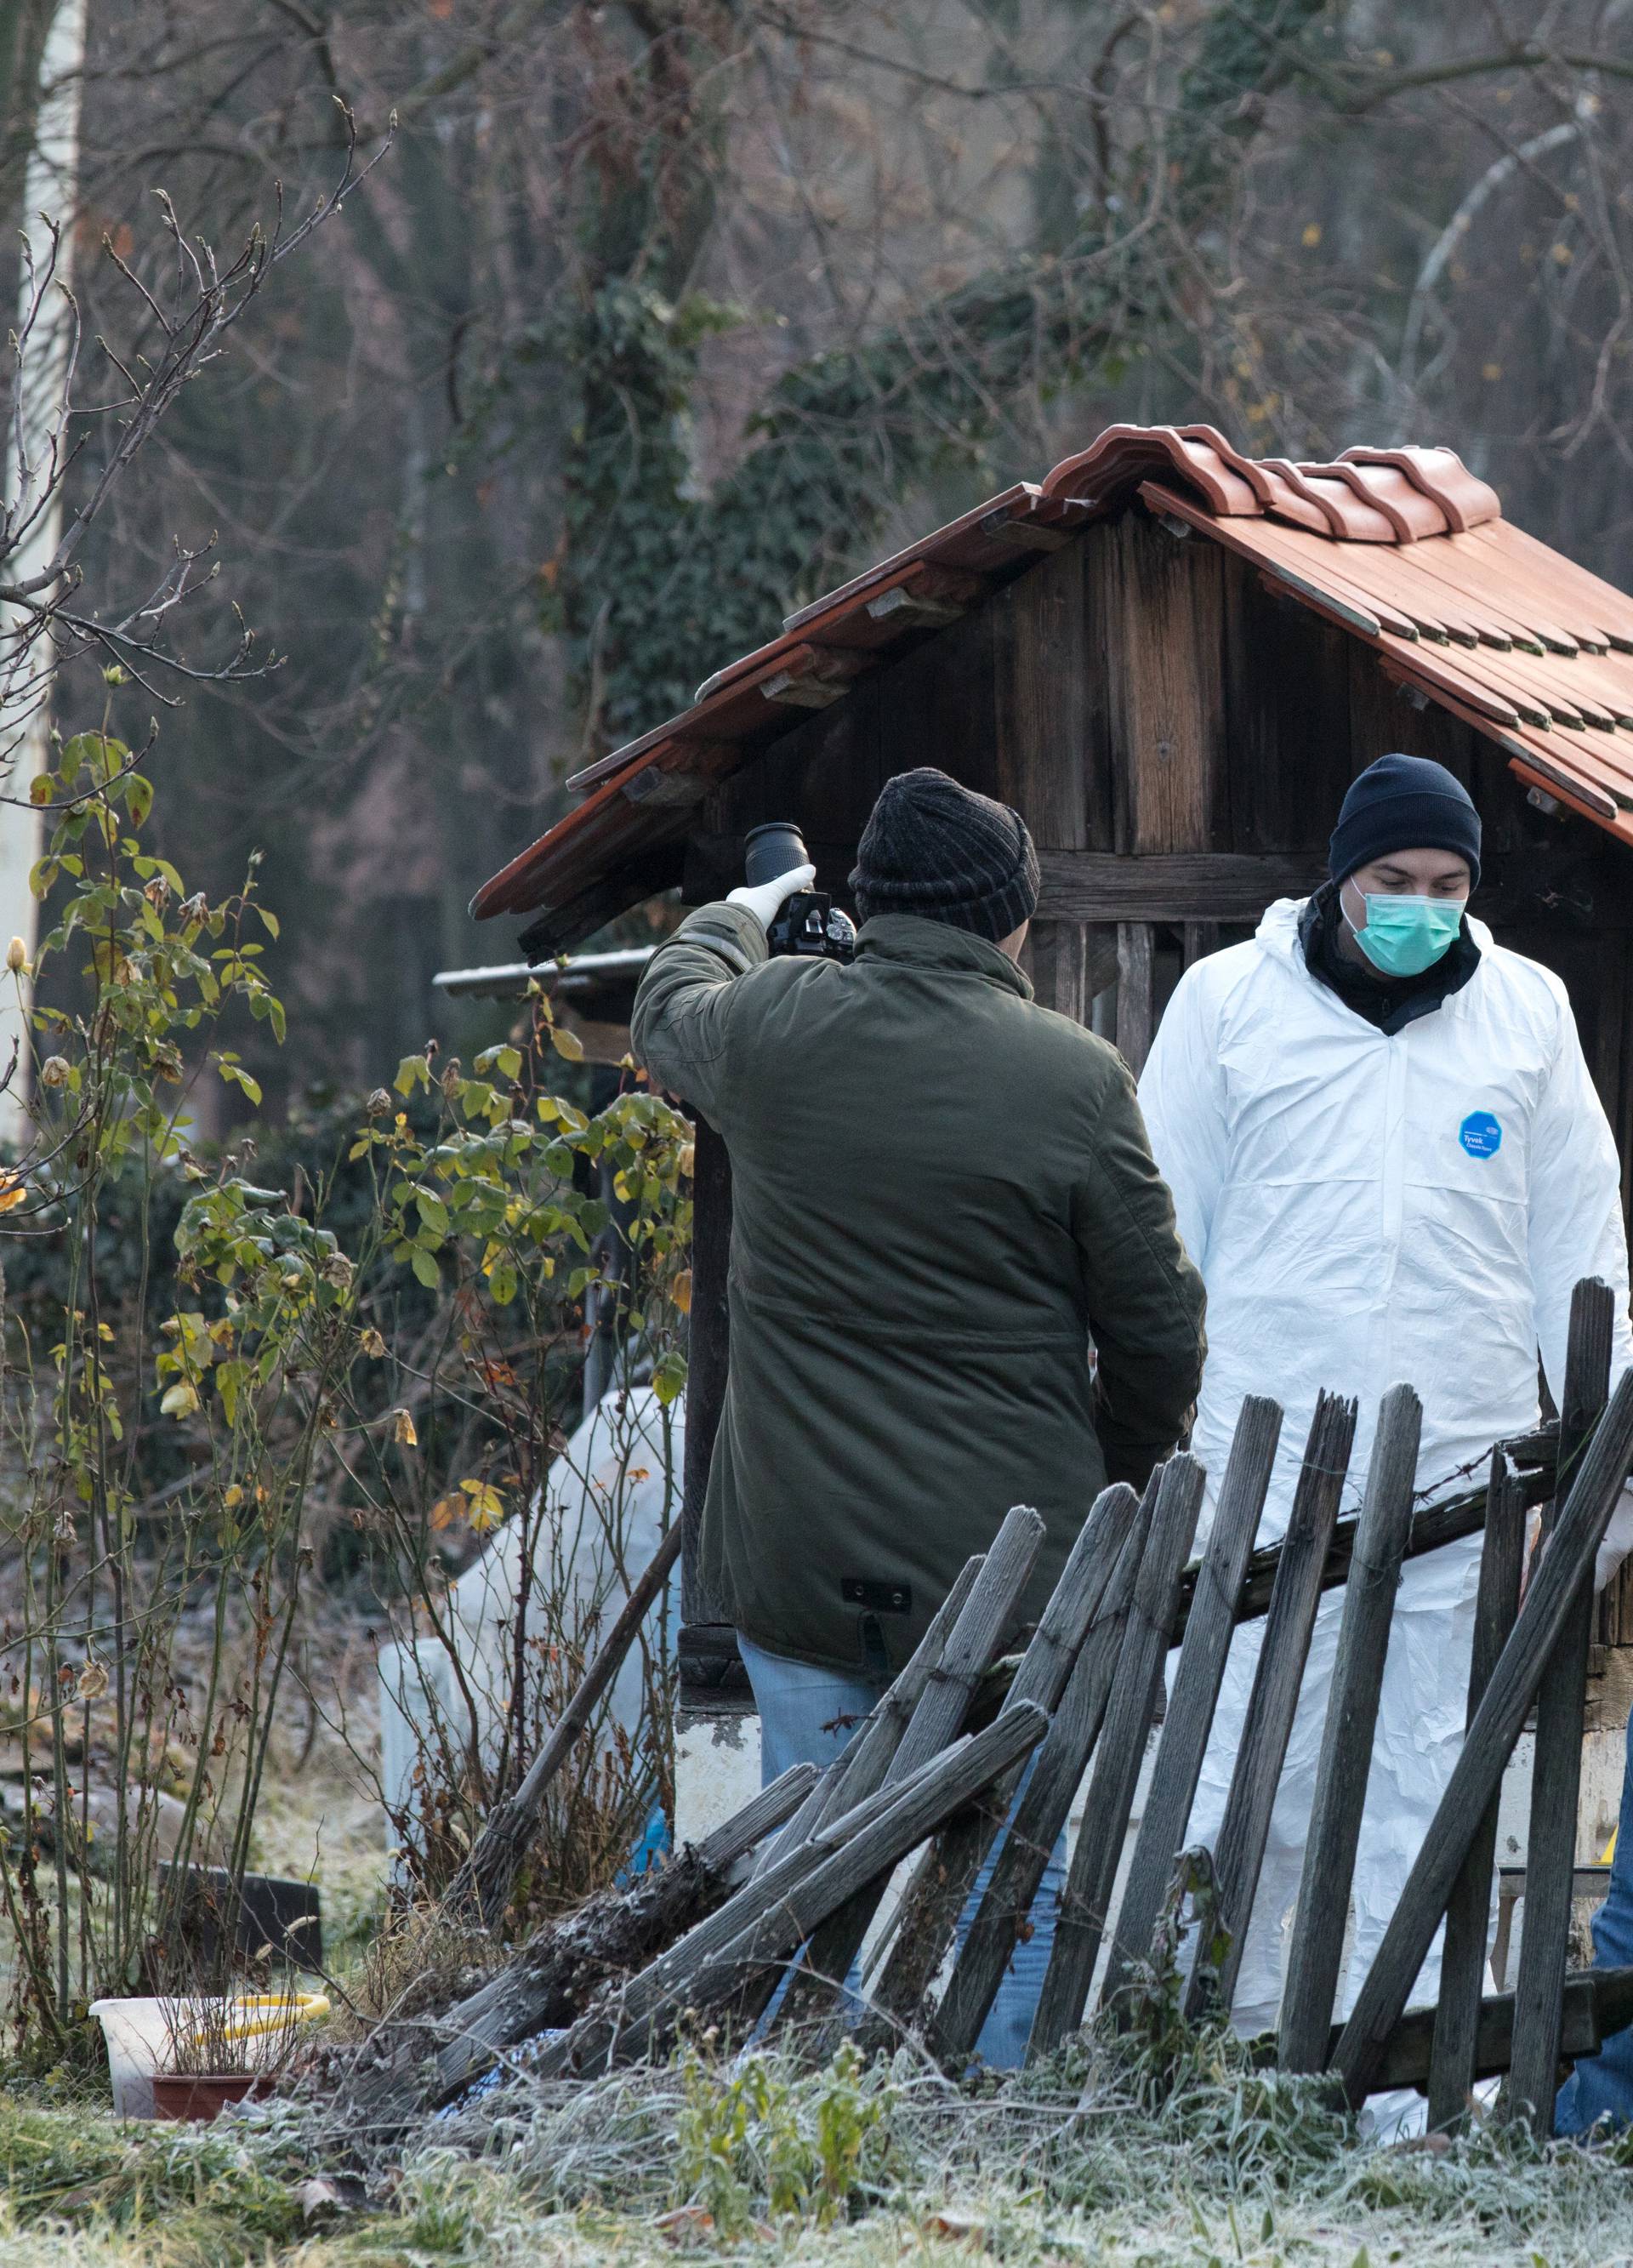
{"x": 1388, "y": 1003}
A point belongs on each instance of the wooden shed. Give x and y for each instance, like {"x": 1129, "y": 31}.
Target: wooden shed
{"x": 1173, "y": 658}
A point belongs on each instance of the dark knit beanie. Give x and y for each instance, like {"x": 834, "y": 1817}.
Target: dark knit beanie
{"x": 938, "y": 849}
{"x": 1404, "y": 803}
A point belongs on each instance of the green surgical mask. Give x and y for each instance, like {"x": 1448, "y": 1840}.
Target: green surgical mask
{"x": 1403, "y": 936}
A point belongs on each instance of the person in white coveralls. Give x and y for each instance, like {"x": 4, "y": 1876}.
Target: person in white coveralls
{"x": 1390, "y": 1164}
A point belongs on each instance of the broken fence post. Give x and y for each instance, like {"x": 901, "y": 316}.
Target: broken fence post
{"x": 1334, "y": 1832}
{"x": 1551, "y": 1837}
{"x": 1244, "y": 1832}
{"x": 553, "y": 1976}
{"x": 1565, "y": 1565}
{"x": 1196, "y": 1693}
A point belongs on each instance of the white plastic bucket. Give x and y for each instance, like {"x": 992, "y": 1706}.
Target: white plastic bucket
{"x": 140, "y": 2036}
{"x": 138, "y": 2033}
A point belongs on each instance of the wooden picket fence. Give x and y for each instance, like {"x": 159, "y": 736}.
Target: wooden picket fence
{"x": 784, "y": 1895}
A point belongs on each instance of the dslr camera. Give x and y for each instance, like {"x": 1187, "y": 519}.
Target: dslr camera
{"x": 809, "y": 923}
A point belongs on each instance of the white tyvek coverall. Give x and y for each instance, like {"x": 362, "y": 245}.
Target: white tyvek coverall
{"x": 1367, "y": 1210}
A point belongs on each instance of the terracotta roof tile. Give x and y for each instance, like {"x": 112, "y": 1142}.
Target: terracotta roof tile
{"x": 1404, "y": 548}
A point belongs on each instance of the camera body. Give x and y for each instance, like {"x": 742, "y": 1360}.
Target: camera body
{"x": 808, "y": 926}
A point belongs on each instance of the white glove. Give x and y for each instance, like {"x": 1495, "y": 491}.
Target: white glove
{"x": 1618, "y": 1540}
{"x": 765, "y": 900}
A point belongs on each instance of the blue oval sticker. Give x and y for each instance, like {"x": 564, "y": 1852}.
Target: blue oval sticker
{"x": 1481, "y": 1134}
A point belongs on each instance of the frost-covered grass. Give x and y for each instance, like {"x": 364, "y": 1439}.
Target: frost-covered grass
{"x": 1089, "y": 2162}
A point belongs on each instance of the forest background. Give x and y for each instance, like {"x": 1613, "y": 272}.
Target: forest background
{"x": 661, "y": 316}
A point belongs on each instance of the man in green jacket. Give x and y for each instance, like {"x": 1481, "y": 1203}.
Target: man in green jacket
{"x": 943, "y": 1200}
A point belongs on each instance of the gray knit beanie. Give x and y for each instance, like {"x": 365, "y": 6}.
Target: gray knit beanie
{"x": 939, "y": 851}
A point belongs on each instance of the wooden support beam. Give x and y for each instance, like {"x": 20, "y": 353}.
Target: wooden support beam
{"x": 812, "y": 677}
{"x": 1085, "y": 1902}
{"x": 1596, "y": 2004}
{"x": 667, "y": 786}
{"x": 1196, "y": 1693}
{"x": 1532, "y": 1457}
{"x": 1137, "y": 993}
{"x": 1334, "y": 1831}
{"x": 1178, "y": 886}
{"x": 708, "y": 1352}
{"x": 907, "y": 608}
{"x": 1565, "y": 1567}
{"x": 1245, "y": 1828}
{"x": 1023, "y": 534}
{"x": 1551, "y": 1840}
{"x": 1452, "y": 2067}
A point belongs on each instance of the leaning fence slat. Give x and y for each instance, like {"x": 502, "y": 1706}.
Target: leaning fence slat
{"x": 1093, "y": 1874}
{"x": 1565, "y": 1566}
{"x": 863, "y": 1765}
{"x": 1335, "y": 1831}
{"x": 1043, "y": 1810}
{"x": 549, "y": 1979}
{"x": 858, "y": 1851}
{"x": 1551, "y": 1839}
{"x": 688, "y": 1955}
{"x": 1453, "y": 2063}
{"x": 1246, "y": 1827}
{"x": 936, "y": 1897}
{"x": 1196, "y": 1693}
{"x": 989, "y": 1613}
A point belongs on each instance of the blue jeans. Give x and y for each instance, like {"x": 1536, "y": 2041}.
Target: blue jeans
{"x": 1601, "y": 2086}
{"x": 808, "y": 1715}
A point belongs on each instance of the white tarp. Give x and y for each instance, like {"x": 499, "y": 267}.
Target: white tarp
{"x": 608, "y": 1498}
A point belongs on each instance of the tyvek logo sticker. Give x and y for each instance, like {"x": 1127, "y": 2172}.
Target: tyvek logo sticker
{"x": 1481, "y": 1134}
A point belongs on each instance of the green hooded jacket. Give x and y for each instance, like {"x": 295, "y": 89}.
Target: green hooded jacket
{"x": 941, "y": 1194}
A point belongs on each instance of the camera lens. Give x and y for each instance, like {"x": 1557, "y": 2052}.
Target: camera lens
{"x": 774, "y": 848}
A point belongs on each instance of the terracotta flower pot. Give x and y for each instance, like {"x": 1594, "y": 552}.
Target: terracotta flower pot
{"x": 201, "y": 2095}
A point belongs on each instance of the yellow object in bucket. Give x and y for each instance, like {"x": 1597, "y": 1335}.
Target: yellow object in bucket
{"x": 267, "y": 2016}
{"x": 258, "y": 2012}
